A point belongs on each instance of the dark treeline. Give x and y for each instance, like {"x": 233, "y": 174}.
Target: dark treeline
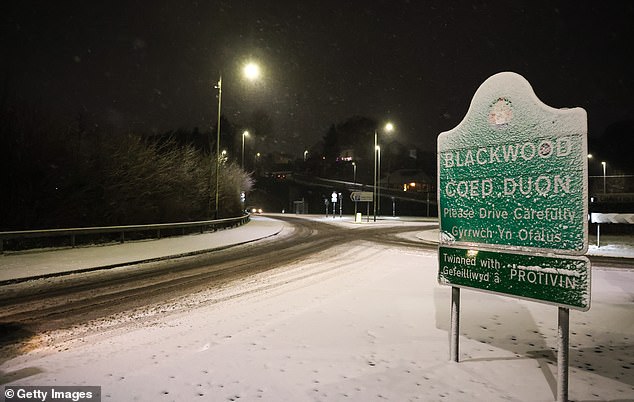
{"x": 76, "y": 175}
{"x": 352, "y": 140}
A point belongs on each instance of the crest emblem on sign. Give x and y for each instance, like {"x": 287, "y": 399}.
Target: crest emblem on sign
{"x": 501, "y": 112}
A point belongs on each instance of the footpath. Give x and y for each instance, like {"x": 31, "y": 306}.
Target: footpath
{"x": 36, "y": 264}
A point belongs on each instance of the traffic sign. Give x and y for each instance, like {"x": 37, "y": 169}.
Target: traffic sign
{"x": 562, "y": 281}
{"x": 365, "y": 196}
{"x": 513, "y": 173}
{"x": 333, "y": 197}
{"x": 596, "y": 217}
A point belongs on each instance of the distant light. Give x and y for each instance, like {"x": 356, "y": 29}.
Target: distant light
{"x": 589, "y": 156}
{"x": 245, "y": 133}
{"x": 412, "y": 184}
{"x": 251, "y": 71}
{"x": 389, "y": 127}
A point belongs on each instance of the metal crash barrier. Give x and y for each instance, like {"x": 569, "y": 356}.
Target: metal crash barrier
{"x": 202, "y": 226}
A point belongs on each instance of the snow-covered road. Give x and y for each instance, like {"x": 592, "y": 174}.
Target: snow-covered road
{"x": 358, "y": 322}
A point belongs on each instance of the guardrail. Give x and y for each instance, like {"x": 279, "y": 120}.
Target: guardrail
{"x": 610, "y": 218}
{"x": 122, "y": 230}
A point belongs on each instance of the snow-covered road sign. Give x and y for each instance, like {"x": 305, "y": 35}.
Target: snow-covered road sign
{"x": 562, "y": 281}
{"x": 513, "y": 173}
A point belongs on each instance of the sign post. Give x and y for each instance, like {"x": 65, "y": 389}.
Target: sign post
{"x": 512, "y": 204}
{"x": 333, "y": 199}
{"x": 363, "y": 196}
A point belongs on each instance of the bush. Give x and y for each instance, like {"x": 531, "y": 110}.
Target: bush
{"x": 56, "y": 176}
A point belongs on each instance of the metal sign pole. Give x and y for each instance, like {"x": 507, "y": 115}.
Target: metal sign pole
{"x": 455, "y": 324}
{"x": 340, "y": 206}
{"x": 563, "y": 334}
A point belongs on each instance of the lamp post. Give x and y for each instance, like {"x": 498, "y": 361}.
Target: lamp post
{"x": 244, "y": 134}
{"x": 251, "y": 71}
{"x": 374, "y": 177}
{"x": 354, "y": 173}
{"x": 604, "y": 165}
{"x": 305, "y": 155}
{"x": 388, "y": 128}
{"x": 378, "y": 180}
{"x": 219, "y": 88}
{"x": 256, "y": 160}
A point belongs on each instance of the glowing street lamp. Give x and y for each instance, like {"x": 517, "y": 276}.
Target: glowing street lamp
{"x": 251, "y": 72}
{"x": 604, "y": 166}
{"x": 354, "y": 173}
{"x": 244, "y": 134}
{"x": 389, "y": 127}
{"x": 378, "y": 179}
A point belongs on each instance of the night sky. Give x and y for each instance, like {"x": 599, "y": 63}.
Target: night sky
{"x": 152, "y": 65}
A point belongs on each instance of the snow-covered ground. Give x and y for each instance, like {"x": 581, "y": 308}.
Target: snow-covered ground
{"x": 357, "y": 322}
{"x": 612, "y": 246}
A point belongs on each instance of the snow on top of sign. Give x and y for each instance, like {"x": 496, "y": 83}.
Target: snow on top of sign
{"x": 513, "y": 173}
{"x": 505, "y": 104}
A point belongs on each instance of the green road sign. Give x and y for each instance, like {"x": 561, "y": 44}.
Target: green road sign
{"x": 562, "y": 281}
{"x": 513, "y": 173}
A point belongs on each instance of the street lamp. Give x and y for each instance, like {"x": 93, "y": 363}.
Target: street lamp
{"x": 219, "y": 88}
{"x": 604, "y": 165}
{"x": 387, "y": 128}
{"x": 354, "y": 173}
{"x": 251, "y": 72}
{"x": 378, "y": 180}
{"x": 244, "y": 134}
{"x": 305, "y": 155}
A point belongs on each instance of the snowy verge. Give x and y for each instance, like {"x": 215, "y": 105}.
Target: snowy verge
{"x": 31, "y": 265}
